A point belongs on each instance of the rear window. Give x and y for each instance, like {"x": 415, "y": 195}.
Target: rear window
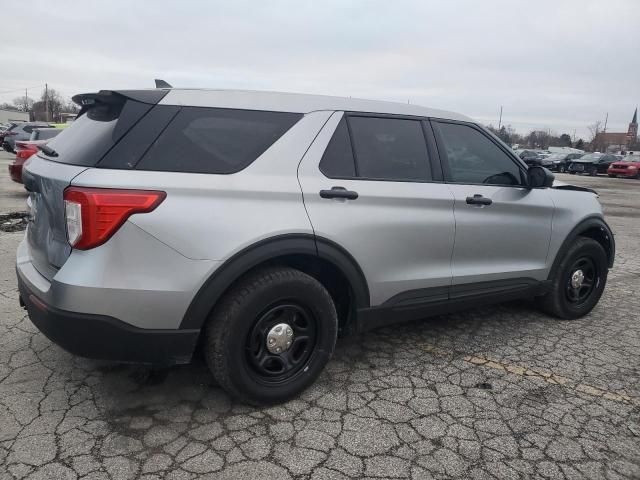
{"x": 215, "y": 140}
{"x": 95, "y": 132}
{"x": 45, "y": 133}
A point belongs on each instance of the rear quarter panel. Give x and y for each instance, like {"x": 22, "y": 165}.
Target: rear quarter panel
{"x": 212, "y": 217}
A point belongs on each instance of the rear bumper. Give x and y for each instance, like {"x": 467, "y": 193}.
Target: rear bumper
{"x": 106, "y": 338}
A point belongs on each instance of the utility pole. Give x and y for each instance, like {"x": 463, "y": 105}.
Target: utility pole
{"x": 26, "y": 101}
{"x": 500, "y": 120}
{"x": 605, "y": 123}
{"x": 46, "y": 102}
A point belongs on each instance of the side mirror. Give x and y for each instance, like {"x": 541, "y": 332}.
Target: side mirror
{"x": 539, "y": 177}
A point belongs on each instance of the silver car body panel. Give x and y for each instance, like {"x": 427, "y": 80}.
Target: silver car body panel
{"x": 133, "y": 277}
{"x": 46, "y": 234}
{"x": 400, "y": 233}
{"x": 507, "y": 239}
{"x": 297, "y": 103}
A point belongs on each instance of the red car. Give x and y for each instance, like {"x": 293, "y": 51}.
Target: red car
{"x": 26, "y": 148}
{"x": 628, "y": 167}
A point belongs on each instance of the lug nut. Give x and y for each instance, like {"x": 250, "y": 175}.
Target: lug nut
{"x": 278, "y": 350}
{"x": 289, "y": 332}
{"x": 272, "y": 341}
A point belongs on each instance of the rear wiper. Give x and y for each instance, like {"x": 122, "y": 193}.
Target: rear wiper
{"x": 48, "y": 151}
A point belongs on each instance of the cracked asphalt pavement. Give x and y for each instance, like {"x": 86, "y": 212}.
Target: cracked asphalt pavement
{"x": 500, "y": 392}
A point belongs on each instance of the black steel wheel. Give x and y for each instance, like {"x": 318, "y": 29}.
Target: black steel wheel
{"x": 582, "y": 279}
{"x": 281, "y": 342}
{"x": 577, "y": 280}
{"x": 271, "y": 335}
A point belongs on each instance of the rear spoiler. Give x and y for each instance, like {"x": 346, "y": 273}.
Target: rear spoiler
{"x": 106, "y": 97}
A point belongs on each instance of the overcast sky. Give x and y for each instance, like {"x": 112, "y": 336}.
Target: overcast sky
{"x": 552, "y": 64}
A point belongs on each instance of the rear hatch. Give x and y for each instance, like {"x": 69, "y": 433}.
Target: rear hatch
{"x": 104, "y": 119}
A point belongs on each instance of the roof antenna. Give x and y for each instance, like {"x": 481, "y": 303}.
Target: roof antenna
{"x": 162, "y": 84}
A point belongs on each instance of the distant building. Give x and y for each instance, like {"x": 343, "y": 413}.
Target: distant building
{"x": 618, "y": 140}
{"x": 7, "y": 116}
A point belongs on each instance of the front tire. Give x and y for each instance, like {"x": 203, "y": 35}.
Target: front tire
{"x": 578, "y": 282}
{"x": 271, "y": 336}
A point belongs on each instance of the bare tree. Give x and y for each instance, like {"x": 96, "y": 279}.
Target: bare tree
{"x": 594, "y": 131}
{"x": 24, "y": 104}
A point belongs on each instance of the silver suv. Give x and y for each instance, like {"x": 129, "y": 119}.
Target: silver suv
{"x": 257, "y": 226}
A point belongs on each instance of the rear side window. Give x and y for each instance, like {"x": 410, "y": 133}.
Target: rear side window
{"x": 390, "y": 148}
{"x": 215, "y": 140}
{"x": 337, "y": 160}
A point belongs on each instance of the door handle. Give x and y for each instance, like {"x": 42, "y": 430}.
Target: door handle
{"x": 339, "y": 192}
{"x": 478, "y": 199}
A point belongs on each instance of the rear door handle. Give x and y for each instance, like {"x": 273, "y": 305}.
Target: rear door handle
{"x": 478, "y": 199}
{"x": 339, "y": 192}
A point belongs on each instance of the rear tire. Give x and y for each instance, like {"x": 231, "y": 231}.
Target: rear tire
{"x": 240, "y": 327}
{"x": 593, "y": 172}
{"x": 569, "y": 298}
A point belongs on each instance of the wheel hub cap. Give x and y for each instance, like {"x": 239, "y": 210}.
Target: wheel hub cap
{"x": 577, "y": 278}
{"x": 279, "y": 338}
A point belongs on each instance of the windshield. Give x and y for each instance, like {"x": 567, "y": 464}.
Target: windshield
{"x": 631, "y": 158}
{"x": 556, "y": 156}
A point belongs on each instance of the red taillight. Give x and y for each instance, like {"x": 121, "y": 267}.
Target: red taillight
{"x": 24, "y": 153}
{"x": 93, "y": 215}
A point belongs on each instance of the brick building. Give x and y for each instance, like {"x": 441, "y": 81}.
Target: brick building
{"x": 618, "y": 140}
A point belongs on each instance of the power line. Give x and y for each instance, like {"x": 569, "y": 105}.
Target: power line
{"x": 21, "y": 89}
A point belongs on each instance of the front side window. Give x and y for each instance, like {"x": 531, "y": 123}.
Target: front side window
{"x": 390, "y": 149}
{"x": 474, "y": 159}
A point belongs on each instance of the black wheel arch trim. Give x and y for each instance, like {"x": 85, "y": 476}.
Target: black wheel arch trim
{"x": 264, "y": 251}
{"x": 582, "y": 227}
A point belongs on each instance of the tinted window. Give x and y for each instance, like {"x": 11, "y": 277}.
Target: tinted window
{"x": 44, "y": 133}
{"x": 93, "y": 133}
{"x": 473, "y": 158}
{"x": 215, "y": 140}
{"x": 130, "y": 149}
{"x": 390, "y": 149}
{"x": 337, "y": 160}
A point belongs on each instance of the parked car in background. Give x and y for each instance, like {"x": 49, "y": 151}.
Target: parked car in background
{"x": 4, "y": 132}
{"x": 592, "y": 163}
{"x": 20, "y": 132}
{"x": 24, "y": 150}
{"x": 628, "y": 167}
{"x": 534, "y": 157}
{"x": 327, "y": 214}
{"x": 560, "y": 161}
